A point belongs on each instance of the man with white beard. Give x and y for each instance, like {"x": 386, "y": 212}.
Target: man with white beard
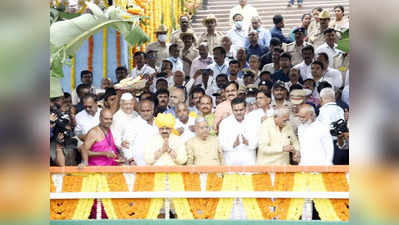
{"x": 315, "y": 141}
{"x": 123, "y": 118}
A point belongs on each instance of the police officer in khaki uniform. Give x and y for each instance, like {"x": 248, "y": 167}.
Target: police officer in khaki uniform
{"x": 160, "y": 46}
{"x": 188, "y": 51}
{"x": 211, "y": 36}
{"x": 184, "y": 27}
{"x": 317, "y": 37}
{"x": 295, "y": 48}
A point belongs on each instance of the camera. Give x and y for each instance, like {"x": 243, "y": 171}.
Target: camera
{"x": 62, "y": 125}
{"x": 338, "y": 127}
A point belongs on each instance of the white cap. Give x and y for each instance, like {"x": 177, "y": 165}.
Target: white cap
{"x": 126, "y": 96}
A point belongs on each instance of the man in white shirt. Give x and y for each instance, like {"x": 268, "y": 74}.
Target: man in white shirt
{"x": 263, "y": 100}
{"x": 123, "y": 118}
{"x": 335, "y": 76}
{"x": 184, "y": 123}
{"x": 139, "y": 134}
{"x": 237, "y": 34}
{"x": 329, "y": 110}
{"x": 141, "y": 68}
{"x": 305, "y": 67}
{"x": 87, "y": 118}
{"x": 220, "y": 64}
{"x": 329, "y": 47}
{"x": 174, "y": 53}
{"x": 247, "y": 11}
{"x": 315, "y": 141}
{"x": 237, "y": 137}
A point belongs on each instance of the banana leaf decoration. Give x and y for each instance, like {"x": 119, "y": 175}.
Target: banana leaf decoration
{"x": 343, "y": 43}
{"x": 67, "y": 36}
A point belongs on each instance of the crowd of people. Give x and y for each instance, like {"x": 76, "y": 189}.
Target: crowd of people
{"x": 251, "y": 96}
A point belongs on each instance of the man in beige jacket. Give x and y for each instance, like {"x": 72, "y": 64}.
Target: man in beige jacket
{"x": 277, "y": 139}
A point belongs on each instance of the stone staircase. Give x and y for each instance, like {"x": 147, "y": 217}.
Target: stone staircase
{"x": 266, "y": 9}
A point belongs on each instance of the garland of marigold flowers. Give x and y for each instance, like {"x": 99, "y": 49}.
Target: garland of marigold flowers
{"x": 338, "y": 182}
{"x": 118, "y": 48}
{"x": 262, "y": 182}
{"x": 83, "y": 208}
{"x": 324, "y": 206}
{"x": 202, "y": 208}
{"x": 225, "y": 205}
{"x": 64, "y": 209}
{"x": 156, "y": 203}
{"x": 250, "y": 205}
{"x": 296, "y": 205}
{"x": 90, "y": 59}
{"x": 52, "y": 186}
{"x": 282, "y": 182}
{"x": 105, "y": 57}
{"x": 181, "y": 205}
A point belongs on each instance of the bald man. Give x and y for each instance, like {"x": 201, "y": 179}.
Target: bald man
{"x": 99, "y": 148}
{"x": 177, "y": 96}
{"x": 184, "y": 123}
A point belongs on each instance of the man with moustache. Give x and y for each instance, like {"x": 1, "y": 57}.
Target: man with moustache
{"x": 224, "y": 110}
{"x": 99, "y": 148}
{"x": 177, "y": 96}
{"x": 163, "y": 100}
{"x": 264, "y": 111}
{"x": 305, "y": 67}
{"x": 279, "y": 96}
{"x": 205, "y": 107}
{"x": 203, "y": 149}
{"x": 165, "y": 148}
{"x": 237, "y": 137}
{"x": 316, "y": 144}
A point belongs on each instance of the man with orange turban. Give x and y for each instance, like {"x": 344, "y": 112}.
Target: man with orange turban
{"x": 166, "y": 148}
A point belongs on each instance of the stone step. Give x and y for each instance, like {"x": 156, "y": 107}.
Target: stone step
{"x": 273, "y": 9}
{"x": 265, "y": 18}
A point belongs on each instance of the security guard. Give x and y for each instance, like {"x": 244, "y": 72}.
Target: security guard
{"x": 317, "y": 37}
{"x": 160, "y": 46}
{"x": 295, "y": 48}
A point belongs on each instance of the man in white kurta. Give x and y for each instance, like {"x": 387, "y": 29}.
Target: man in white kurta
{"x": 247, "y": 11}
{"x": 329, "y": 111}
{"x": 123, "y": 119}
{"x": 184, "y": 123}
{"x": 237, "y": 137}
{"x": 139, "y": 134}
{"x": 316, "y": 144}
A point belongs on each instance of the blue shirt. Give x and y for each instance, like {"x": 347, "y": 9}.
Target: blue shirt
{"x": 280, "y": 75}
{"x": 264, "y": 37}
{"x": 276, "y": 32}
{"x": 258, "y": 50}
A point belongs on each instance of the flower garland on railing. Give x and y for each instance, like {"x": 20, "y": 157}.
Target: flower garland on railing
{"x": 64, "y": 209}
{"x": 323, "y": 206}
{"x": 297, "y": 204}
{"x": 156, "y": 203}
{"x": 225, "y": 205}
{"x": 250, "y": 205}
{"x": 338, "y": 182}
{"x": 213, "y": 208}
{"x": 181, "y": 205}
{"x": 262, "y": 182}
{"x": 282, "y": 182}
{"x": 73, "y": 73}
{"x": 84, "y": 206}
